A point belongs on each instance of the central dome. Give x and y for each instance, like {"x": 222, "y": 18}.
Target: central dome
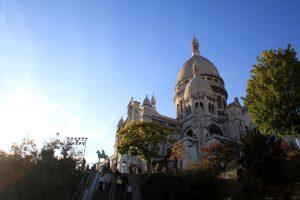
{"x": 206, "y": 67}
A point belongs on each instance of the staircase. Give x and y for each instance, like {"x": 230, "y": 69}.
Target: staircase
{"x": 135, "y": 182}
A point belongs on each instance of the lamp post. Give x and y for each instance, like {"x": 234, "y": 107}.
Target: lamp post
{"x": 78, "y": 141}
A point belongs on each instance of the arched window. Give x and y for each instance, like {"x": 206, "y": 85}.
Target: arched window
{"x": 212, "y": 108}
{"x": 214, "y": 129}
{"x": 186, "y": 110}
{"x": 201, "y": 104}
{"x": 209, "y": 107}
{"x": 196, "y": 105}
{"x": 189, "y": 109}
{"x": 190, "y": 133}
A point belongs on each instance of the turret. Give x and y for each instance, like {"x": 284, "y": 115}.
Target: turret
{"x": 120, "y": 123}
{"x": 119, "y": 126}
{"x": 133, "y": 110}
{"x": 146, "y": 109}
{"x": 153, "y": 102}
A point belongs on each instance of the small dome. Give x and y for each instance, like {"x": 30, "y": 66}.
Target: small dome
{"x": 196, "y": 86}
{"x": 121, "y": 122}
{"x": 153, "y": 100}
{"x": 146, "y": 101}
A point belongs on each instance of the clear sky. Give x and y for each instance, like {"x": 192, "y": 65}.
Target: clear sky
{"x": 72, "y": 66}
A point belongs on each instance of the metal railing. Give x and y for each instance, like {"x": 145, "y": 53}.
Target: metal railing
{"x": 112, "y": 189}
{"x": 79, "y": 192}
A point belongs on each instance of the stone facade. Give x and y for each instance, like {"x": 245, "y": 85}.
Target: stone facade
{"x": 202, "y": 113}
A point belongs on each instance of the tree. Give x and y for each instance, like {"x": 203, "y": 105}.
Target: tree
{"x": 27, "y": 149}
{"x": 178, "y": 152}
{"x": 262, "y": 157}
{"x": 273, "y": 92}
{"x": 142, "y": 139}
{"x": 218, "y": 156}
{"x": 27, "y": 173}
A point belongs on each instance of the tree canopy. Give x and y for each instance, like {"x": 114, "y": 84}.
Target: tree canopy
{"x": 142, "y": 139}
{"x": 49, "y": 173}
{"x": 219, "y": 156}
{"x": 273, "y": 92}
{"x": 262, "y": 157}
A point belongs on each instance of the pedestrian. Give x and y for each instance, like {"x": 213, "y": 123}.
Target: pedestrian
{"x": 101, "y": 182}
{"x": 119, "y": 182}
{"x": 124, "y": 182}
{"x": 129, "y": 191}
{"x": 117, "y": 172}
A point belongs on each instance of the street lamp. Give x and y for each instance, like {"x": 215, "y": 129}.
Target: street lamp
{"x": 78, "y": 141}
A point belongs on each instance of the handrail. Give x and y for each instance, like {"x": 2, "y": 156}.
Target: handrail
{"x": 83, "y": 185}
{"x": 112, "y": 188}
{"x": 79, "y": 188}
{"x": 89, "y": 189}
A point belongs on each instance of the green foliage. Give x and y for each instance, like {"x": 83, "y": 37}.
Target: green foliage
{"x": 142, "y": 139}
{"x": 26, "y": 173}
{"x": 219, "y": 156}
{"x": 164, "y": 187}
{"x": 192, "y": 184}
{"x": 262, "y": 157}
{"x": 273, "y": 92}
{"x": 204, "y": 184}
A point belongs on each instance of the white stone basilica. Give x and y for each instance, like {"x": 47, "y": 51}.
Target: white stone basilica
{"x": 203, "y": 115}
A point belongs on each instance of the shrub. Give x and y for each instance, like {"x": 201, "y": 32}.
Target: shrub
{"x": 262, "y": 157}
{"x": 164, "y": 187}
{"x": 203, "y": 184}
{"x": 250, "y": 190}
{"x": 191, "y": 184}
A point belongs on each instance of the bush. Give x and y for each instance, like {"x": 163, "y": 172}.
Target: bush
{"x": 250, "y": 190}
{"x": 262, "y": 157}
{"x": 164, "y": 187}
{"x": 191, "y": 184}
{"x": 203, "y": 184}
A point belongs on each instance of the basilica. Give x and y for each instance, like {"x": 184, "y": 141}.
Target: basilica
{"x": 203, "y": 115}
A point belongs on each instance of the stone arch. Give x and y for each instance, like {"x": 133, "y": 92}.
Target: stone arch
{"x": 201, "y": 104}
{"x": 214, "y": 129}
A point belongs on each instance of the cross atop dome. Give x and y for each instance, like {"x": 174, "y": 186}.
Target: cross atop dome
{"x": 195, "y": 47}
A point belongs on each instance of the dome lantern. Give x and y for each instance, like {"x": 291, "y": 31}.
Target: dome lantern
{"x": 195, "y": 47}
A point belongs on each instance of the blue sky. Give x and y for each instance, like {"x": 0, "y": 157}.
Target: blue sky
{"x": 72, "y": 66}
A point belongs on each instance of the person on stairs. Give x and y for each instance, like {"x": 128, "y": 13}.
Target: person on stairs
{"x": 129, "y": 191}
{"x": 101, "y": 182}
